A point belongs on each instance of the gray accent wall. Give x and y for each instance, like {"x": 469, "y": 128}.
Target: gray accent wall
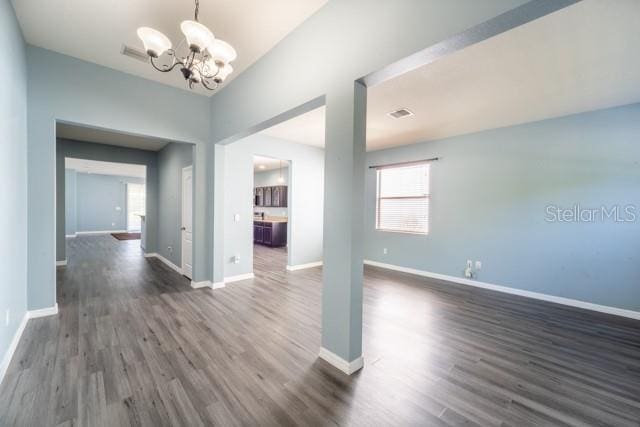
{"x": 70, "y": 217}
{"x": 489, "y": 196}
{"x": 306, "y": 197}
{"x": 107, "y": 153}
{"x": 171, "y": 160}
{"x": 13, "y": 180}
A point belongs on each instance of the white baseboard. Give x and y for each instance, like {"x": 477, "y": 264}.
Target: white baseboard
{"x": 32, "y": 314}
{"x": 70, "y": 236}
{"x": 42, "y": 312}
{"x": 218, "y": 285}
{"x": 61, "y": 263}
{"x": 8, "y": 355}
{"x": 203, "y": 284}
{"x": 504, "y": 289}
{"x": 338, "y": 362}
{"x": 238, "y": 278}
{"x": 87, "y": 233}
{"x": 163, "y": 259}
{"x": 304, "y": 266}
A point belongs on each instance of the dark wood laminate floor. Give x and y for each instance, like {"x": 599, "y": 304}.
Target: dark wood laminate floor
{"x": 135, "y": 345}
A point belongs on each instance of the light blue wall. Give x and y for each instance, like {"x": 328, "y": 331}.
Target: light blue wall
{"x": 79, "y": 92}
{"x": 342, "y": 42}
{"x": 13, "y": 179}
{"x": 171, "y": 160}
{"x": 71, "y": 222}
{"x": 305, "y": 200}
{"x": 267, "y": 179}
{"x": 101, "y": 201}
{"x": 107, "y": 153}
{"x": 489, "y": 195}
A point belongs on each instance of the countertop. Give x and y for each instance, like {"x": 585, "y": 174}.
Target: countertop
{"x": 270, "y": 219}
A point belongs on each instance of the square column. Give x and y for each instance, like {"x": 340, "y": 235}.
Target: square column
{"x": 343, "y": 229}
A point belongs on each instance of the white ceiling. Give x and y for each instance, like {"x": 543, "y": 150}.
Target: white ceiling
{"x": 94, "y": 30}
{"x": 262, "y": 164}
{"x": 105, "y": 168}
{"x": 581, "y": 58}
{"x": 102, "y": 136}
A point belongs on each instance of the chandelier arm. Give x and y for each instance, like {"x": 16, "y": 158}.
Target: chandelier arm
{"x": 168, "y": 68}
{"x": 204, "y": 83}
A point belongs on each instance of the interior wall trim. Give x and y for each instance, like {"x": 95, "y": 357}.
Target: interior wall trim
{"x": 164, "y": 260}
{"x": 61, "y": 263}
{"x": 218, "y": 285}
{"x": 304, "y": 266}
{"x": 339, "y": 363}
{"x": 31, "y": 314}
{"x": 200, "y": 285}
{"x": 238, "y": 278}
{"x": 99, "y": 232}
{"x": 513, "y": 291}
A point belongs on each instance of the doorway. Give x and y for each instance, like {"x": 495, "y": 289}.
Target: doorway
{"x": 271, "y": 213}
{"x": 136, "y": 206}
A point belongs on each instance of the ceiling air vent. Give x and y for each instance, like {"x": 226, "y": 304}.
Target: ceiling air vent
{"x": 134, "y": 53}
{"x": 401, "y": 113}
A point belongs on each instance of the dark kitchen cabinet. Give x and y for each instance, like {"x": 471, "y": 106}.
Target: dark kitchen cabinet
{"x": 274, "y": 196}
{"x": 270, "y": 233}
{"x": 258, "y": 234}
{"x": 267, "y": 196}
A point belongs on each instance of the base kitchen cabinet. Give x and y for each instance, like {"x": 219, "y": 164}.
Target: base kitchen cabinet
{"x": 270, "y": 233}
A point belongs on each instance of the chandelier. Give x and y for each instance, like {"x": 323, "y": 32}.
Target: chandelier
{"x": 205, "y": 59}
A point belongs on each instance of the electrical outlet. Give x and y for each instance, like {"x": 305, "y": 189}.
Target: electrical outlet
{"x": 236, "y": 259}
{"x": 385, "y": 251}
{"x": 170, "y": 249}
{"x": 469, "y": 263}
{"x": 113, "y": 224}
{"x": 236, "y": 217}
{"x": 7, "y": 317}
{"x": 478, "y": 265}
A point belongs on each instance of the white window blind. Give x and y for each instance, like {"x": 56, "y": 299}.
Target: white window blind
{"x": 403, "y": 199}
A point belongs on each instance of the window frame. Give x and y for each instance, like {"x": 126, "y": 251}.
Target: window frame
{"x": 425, "y": 197}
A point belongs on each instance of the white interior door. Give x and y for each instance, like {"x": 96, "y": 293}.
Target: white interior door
{"x": 187, "y": 229}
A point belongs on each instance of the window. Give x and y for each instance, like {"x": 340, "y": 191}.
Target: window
{"x": 135, "y": 206}
{"x": 402, "y": 203}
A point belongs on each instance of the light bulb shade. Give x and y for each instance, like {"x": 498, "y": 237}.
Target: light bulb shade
{"x": 224, "y": 72}
{"x": 155, "y": 43}
{"x": 222, "y": 51}
{"x": 198, "y": 36}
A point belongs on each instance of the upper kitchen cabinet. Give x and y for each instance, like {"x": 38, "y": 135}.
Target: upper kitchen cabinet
{"x": 275, "y": 196}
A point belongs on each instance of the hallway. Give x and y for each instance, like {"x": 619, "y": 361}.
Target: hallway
{"x": 133, "y": 344}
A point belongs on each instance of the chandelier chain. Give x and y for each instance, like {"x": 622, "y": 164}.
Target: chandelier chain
{"x": 197, "y": 9}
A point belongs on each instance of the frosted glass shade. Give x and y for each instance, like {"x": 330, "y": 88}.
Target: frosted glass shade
{"x": 198, "y": 36}
{"x": 155, "y": 43}
{"x": 222, "y": 51}
{"x": 224, "y": 71}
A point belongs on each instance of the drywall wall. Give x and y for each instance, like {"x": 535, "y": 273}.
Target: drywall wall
{"x": 171, "y": 159}
{"x": 305, "y": 200}
{"x": 101, "y": 201}
{"x": 489, "y": 199}
{"x": 70, "y": 219}
{"x": 321, "y": 59}
{"x": 79, "y": 92}
{"x": 107, "y": 153}
{"x": 13, "y": 182}
{"x": 268, "y": 179}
